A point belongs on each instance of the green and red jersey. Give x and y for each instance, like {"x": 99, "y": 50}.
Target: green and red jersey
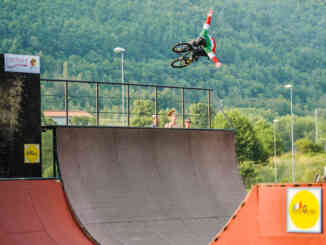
{"x": 210, "y": 44}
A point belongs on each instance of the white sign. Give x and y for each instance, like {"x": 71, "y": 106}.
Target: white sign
{"x": 304, "y": 210}
{"x": 22, "y": 63}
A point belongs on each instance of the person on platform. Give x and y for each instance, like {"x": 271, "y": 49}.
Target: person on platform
{"x": 172, "y": 115}
{"x": 187, "y": 123}
{"x": 156, "y": 121}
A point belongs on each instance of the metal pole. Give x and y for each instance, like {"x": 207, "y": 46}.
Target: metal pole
{"x": 128, "y": 106}
{"x": 183, "y": 106}
{"x": 209, "y": 109}
{"x": 54, "y": 149}
{"x": 156, "y": 101}
{"x": 275, "y": 169}
{"x": 220, "y": 104}
{"x": 122, "y": 89}
{"x": 292, "y": 143}
{"x": 316, "y": 125}
{"x": 66, "y": 102}
{"x": 97, "y": 106}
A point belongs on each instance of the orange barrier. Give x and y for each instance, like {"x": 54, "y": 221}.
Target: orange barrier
{"x": 36, "y": 212}
{"x": 261, "y": 219}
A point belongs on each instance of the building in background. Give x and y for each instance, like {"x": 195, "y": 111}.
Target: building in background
{"x": 60, "y": 116}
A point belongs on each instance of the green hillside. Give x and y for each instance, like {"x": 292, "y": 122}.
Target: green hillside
{"x": 262, "y": 44}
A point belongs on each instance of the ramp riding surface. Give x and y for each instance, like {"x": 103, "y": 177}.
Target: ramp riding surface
{"x": 143, "y": 186}
{"x": 36, "y": 212}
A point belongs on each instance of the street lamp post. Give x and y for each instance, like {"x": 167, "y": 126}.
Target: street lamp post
{"x": 119, "y": 50}
{"x": 290, "y": 86}
{"x": 275, "y": 167}
{"x": 316, "y": 125}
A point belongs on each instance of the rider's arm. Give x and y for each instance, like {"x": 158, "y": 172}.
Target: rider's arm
{"x": 207, "y": 24}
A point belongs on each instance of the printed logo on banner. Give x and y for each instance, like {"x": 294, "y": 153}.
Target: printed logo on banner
{"x": 304, "y": 210}
{"x": 22, "y": 63}
{"x": 32, "y": 153}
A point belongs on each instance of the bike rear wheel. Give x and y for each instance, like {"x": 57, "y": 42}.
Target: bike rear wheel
{"x": 181, "y": 48}
{"x": 180, "y": 62}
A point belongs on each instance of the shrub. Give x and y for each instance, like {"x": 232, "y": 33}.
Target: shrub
{"x": 305, "y": 145}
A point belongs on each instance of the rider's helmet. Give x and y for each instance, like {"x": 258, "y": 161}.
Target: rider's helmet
{"x": 199, "y": 41}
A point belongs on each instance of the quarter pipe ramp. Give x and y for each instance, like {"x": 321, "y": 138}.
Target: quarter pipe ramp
{"x": 261, "y": 219}
{"x": 36, "y": 212}
{"x": 147, "y": 186}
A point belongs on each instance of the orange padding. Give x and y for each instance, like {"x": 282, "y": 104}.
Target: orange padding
{"x": 36, "y": 212}
{"x": 261, "y": 219}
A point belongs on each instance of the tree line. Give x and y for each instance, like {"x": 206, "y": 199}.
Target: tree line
{"x": 262, "y": 44}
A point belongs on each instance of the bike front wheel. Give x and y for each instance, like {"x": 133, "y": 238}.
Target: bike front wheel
{"x": 181, "y": 48}
{"x": 180, "y": 62}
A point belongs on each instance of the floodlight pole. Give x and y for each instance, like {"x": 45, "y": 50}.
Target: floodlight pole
{"x": 274, "y": 133}
{"x": 121, "y": 51}
{"x": 290, "y": 86}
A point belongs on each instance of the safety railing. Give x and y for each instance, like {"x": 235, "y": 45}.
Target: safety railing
{"x": 71, "y": 102}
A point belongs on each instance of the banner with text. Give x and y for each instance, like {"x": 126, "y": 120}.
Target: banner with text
{"x": 22, "y": 63}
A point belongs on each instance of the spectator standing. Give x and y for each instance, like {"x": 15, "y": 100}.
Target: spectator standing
{"x": 156, "y": 121}
{"x": 172, "y": 119}
{"x": 187, "y": 123}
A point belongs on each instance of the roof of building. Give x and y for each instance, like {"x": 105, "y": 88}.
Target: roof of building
{"x": 70, "y": 114}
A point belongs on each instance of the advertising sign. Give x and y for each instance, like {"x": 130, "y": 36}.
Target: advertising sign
{"x": 304, "y": 210}
{"x": 32, "y": 153}
{"x": 22, "y": 63}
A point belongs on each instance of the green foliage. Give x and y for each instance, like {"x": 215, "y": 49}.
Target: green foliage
{"x": 82, "y": 121}
{"x": 305, "y": 145}
{"x": 248, "y": 173}
{"x": 265, "y": 134}
{"x": 47, "y": 154}
{"x": 248, "y": 146}
{"x": 164, "y": 119}
{"x": 142, "y": 113}
{"x": 262, "y": 44}
{"x": 303, "y": 128}
{"x": 47, "y": 120}
{"x": 199, "y": 115}
{"x": 307, "y": 166}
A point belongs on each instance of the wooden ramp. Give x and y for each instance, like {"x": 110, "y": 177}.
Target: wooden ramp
{"x": 36, "y": 213}
{"x": 143, "y": 186}
{"x": 261, "y": 219}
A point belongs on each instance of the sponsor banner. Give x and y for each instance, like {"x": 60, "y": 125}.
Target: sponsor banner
{"x": 22, "y": 63}
{"x": 32, "y": 153}
{"x": 304, "y": 210}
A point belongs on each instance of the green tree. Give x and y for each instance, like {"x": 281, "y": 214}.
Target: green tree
{"x": 82, "y": 121}
{"x": 199, "y": 115}
{"x": 47, "y": 153}
{"x": 248, "y": 172}
{"x": 265, "y": 134}
{"x": 303, "y": 128}
{"x": 248, "y": 146}
{"x": 305, "y": 145}
{"x": 142, "y": 111}
{"x": 263, "y": 45}
{"x": 47, "y": 120}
